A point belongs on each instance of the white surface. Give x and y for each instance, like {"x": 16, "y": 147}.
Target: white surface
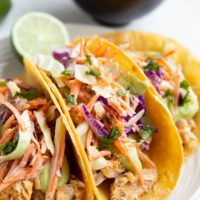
{"x": 189, "y": 182}
{"x": 176, "y": 18}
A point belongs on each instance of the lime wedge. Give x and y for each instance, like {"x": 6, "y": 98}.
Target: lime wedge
{"x": 38, "y": 33}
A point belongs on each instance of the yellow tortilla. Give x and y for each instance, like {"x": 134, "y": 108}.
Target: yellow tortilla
{"x": 143, "y": 41}
{"x": 34, "y": 77}
{"x": 166, "y": 148}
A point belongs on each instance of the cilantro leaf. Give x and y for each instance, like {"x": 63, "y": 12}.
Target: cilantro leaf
{"x": 152, "y": 65}
{"x": 114, "y": 135}
{"x": 88, "y": 60}
{"x": 10, "y": 147}
{"x": 29, "y": 95}
{"x": 184, "y": 84}
{"x": 70, "y": 98}
{"x": 67, "y": 73}
{"x": 94, "y": 73}
{"x": 147, "y": 132}
{"x": 2, "y": 84}
{"x": 121, "y": 93}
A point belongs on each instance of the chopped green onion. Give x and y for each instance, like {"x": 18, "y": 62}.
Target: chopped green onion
{"x": 2, "y": 84}
{"x": 94, "y": 73}
{"x": 70, "y": 98}
{"x": 88, "y": 60}
{"x": 67, "y": 73}
{"x": 121, "y": 93}
{"x": 29, "y": 95}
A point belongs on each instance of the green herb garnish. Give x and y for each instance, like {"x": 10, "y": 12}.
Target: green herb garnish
{"x": 9, "y": 147}
{"x": 152, "y": 65}
{"x": 147, "y": 132}
{"x": 70, "y": 98}
{"x": 67, "y": 73}
{"x": 184, "y": 84}
{"x": 29, "y": 95}
{"x": 121, "y": 93}
{"x": 107, "y": 142}
{"x": 114, "y": 135}
{"x": 94, "y": 73}
{"x": 169, "y": 97}
{"x": 88, "y": 60}
{"x": 2, "y": 84}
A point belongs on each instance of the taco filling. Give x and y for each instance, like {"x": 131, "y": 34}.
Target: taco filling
{"x": 107, "y": 107}
{"x": 32, "y": 147}
{"x": 169, "y": 81}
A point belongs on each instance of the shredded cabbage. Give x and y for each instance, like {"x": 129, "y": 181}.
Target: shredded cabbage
{"x": 80, "y": 74}
{"x": 49, "y": 64}
{"x": 23, "y": 141}
{"x": 45, "y": 130}
{"x": 14, "y": 89}
{"x": 82, "y": 130}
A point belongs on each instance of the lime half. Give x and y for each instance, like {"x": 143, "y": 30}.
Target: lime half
{"x": 38, "y": 33}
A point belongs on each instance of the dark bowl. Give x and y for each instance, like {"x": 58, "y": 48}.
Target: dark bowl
{"x": 117, "y": 12}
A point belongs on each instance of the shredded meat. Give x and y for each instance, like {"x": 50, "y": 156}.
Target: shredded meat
{"x": 21, "y": 190}
{"x": 75, "y": 190}
{"x": 185, "y": 128}
{"x": 113, "y": 169}
{"x": 125, "y": 186}
{"x": 38, "y": 195}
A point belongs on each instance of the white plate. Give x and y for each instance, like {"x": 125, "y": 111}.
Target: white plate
{"x": 189, "y": 182}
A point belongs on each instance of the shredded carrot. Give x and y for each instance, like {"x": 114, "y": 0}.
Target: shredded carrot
{"x": 3, "y": 170}
{"x": 123, "y": 103}
{"x": 82, "y": 43}
{"x": 3, "y": 90}
{"x": 117, "y": 107}
{"x": 75, "y": 87}
{"x": 27, "y": 155}
{"x": 169, "y": 53}
{"x": 123, "y": 151}
{"x": 56, "y": 164}
{"x": 92, "y": 102}
{"x": 13, "y": 166}
{"x": 146, "y": 159}
{"x": 165, "y": 65}
{"x": 45, "y": 106}
{"x": 91, "y": 40}
{"x": 15, "y": 112}
{"x": 10, "y": 122}
{"x": 37, "y": 102}
{"x": 8, "y": 135}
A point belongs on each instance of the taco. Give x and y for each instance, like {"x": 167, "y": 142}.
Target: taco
{"x": 174, "y": 73}
{"x": 36, "y": 156}
{"x": 123, "y": 131}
